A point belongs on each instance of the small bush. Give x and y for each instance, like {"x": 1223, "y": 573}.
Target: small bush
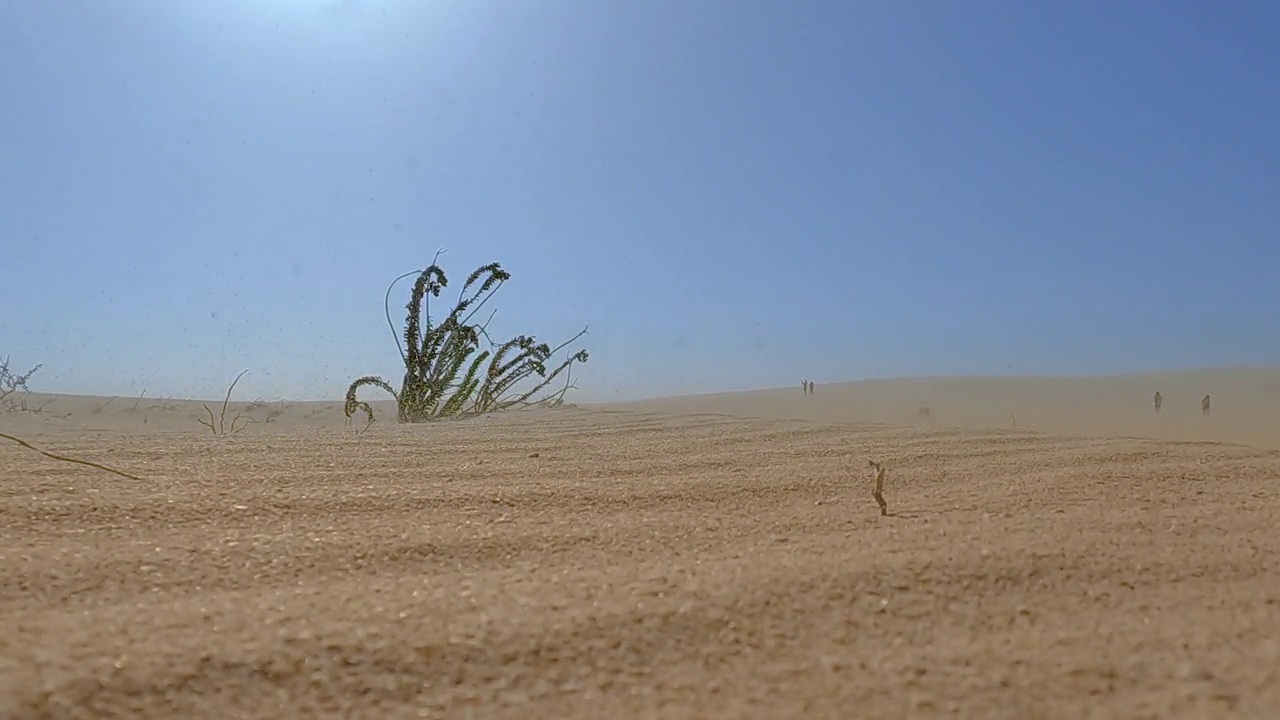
{"x": 11, "y": 384}
{"x": 445, "y": 370}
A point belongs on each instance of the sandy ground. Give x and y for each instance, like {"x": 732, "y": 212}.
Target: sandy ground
{"x": 718, "y": 556}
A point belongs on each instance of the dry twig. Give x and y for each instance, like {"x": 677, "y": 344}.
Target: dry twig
{"x": 219, "y": 425}
{"x": 368, "y": 424}
{"x": 878, "y": 493}
{"x": 10, "y": 383}
{"x": 48, "y": 454}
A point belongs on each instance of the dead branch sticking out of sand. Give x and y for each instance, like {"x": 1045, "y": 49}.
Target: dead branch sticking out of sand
{"x": 12, "y": 382}
{"x": 219, "y": 425}
{"x": 360, "y": 431}
{"x": 48, "y": 454}
{"x": 878, "y": 493}
{"x": 98, "y": 408}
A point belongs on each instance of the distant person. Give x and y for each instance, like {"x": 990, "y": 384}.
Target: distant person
{"x": 1158, "y": 401}
{"x": 1204, "y": 405}
{"x": 810, "y": 387}
{"x": 805, "y": 384}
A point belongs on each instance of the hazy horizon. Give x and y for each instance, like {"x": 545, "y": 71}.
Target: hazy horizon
{"x": 731, "y": 198}
{"x": 1208, "y": 375}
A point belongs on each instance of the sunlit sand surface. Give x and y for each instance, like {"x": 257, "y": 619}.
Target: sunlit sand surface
{"x": 1054, "y": 548}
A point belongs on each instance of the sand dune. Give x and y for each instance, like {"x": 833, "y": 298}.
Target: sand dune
{"x": 712, "y": 556}
{"x": 1245, "y": 404}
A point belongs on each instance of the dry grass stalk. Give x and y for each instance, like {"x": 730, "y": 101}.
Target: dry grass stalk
{"x": 277, "y": 412}
{"x": 878, "y": 493}
{"x": 273, "y": 413}
{"x": 11, "y": 383}
{"x": 164, "y": 405}
{"x": 218, "y": 425}
{"x": 368, "y": 424}
{"x": 14, "y": 392}
{"x": 99, "y": 407}
{"x": 63, "y": 458}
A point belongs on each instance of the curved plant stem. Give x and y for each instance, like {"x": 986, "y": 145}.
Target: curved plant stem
{"x": 386, "y": 303}
{"x": 445, "y": 372}
{"x": 63, "y": 458}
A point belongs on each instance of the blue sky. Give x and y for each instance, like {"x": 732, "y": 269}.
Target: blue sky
{"x": 730, "y": 194}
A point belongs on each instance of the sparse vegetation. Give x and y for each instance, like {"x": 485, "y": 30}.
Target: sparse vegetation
{"x": 878, "y": 493}
{"x": 445, "y": 371}
{"x": 273, "y": 413}
{"x": 166, "y": 404}
{"x": 64, "y": 458}
{"x": 319, "y": 410}
{"x": 11, "y": 384}
{"x": 218, "y": 425}
{"x": 99, "y": 407}
{"x": 277, "y": 412}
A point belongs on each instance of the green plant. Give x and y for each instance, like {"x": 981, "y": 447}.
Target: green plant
{"x": 445, "y": 370}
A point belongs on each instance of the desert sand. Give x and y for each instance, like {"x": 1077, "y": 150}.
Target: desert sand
{"x": 1054, "y": 549}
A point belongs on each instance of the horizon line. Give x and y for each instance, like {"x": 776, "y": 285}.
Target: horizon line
{"x": 741, "y": 391}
